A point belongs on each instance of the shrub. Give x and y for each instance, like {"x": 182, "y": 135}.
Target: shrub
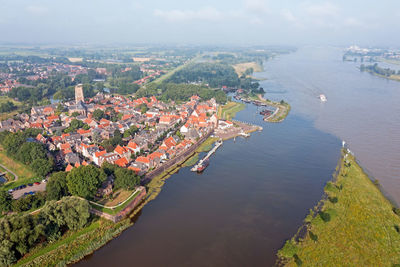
{"x": 313, "y": 236}
{"x": 333, "y": 199}
{"x": 326, "y": 217}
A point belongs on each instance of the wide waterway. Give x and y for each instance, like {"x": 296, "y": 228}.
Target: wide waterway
{"x": 256, "y": 191}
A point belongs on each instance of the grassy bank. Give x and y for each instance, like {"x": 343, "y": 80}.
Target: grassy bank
{"x": 391, "y": 77}
{"x": 356, "y": 225}
{"x": 207, "y": 145}
{"x": 18, "y": 168}
{"x": 229, "y": 110}
{"x": 191, "y": 161}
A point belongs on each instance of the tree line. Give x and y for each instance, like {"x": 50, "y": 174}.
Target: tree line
{"x": 181, "y": 92}
{"x": 378, "y": 70}
{"x": 19, "y": 233}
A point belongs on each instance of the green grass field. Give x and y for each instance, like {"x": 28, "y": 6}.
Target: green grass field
{"x": 229, "y": 110}
{"x": 171, "y": 72}
{"x": 357, "y": 226}
{"x": 68, "y": 238}
{"x": 118, "y": 209}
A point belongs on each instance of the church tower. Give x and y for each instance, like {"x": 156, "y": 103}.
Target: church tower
{"x": 79, "y": 94}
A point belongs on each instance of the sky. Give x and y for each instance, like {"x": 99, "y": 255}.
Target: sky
{"x": 205, "y": 22}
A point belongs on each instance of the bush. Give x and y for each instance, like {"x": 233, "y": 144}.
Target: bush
{"x": 333, "y": 199}
{"x": 325, "y": 216}
{"x": 313, "y": 236}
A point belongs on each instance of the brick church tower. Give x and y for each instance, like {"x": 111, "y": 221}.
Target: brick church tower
{"x": 79, "y": 94}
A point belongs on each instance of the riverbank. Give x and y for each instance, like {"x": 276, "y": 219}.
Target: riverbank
{"x": 353, "y": 225}
{"x": 391, "y": 77}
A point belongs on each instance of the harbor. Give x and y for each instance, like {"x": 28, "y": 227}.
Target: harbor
{"x": 203, "y": 163}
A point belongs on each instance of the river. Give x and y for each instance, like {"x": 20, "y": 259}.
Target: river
{"x": 256, "y": 191}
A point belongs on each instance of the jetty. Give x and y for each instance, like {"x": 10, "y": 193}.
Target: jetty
{"x": 212, "y": 151}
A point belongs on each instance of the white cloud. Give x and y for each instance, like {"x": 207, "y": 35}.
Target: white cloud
{"x": 256, "y": 6}
{"x": 288, "y": 15}
{"x": 206, "y": 13}
{"x": 322, "y": 10}
{"x": 36, "y": 10}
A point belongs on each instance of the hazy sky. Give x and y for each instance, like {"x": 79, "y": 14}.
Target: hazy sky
{"x": 243, "y": 22}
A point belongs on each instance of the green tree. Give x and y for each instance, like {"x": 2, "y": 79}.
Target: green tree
{"x": 56, "y": 187}
{"x": 5, "y": 201}
{"x": 98, "y": 114}
{"x": 143, "y": 108}
{"x": 70, "y": 212}
{"x": 7, "y": 253}
{"x": 42, "y": 166}
{"x": 85, "y": 180}
{"x": 125, "y": 179}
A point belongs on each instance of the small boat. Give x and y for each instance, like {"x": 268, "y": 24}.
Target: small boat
{"x": 266, "y": 112}
{"x": 203, "y": 165}
{"x": 322, "y": 97}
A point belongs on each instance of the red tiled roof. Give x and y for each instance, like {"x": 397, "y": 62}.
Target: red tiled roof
{"x": 142, "y": 159}
{"x": 122, "y": 162}
{"x": 69, "y": 168}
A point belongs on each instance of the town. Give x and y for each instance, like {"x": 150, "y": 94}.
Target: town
{"x": 150, "y": 132}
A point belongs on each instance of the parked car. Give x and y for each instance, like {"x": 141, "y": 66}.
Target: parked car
{"x": 37, "y": 183}
{"x": 30, "y": 184}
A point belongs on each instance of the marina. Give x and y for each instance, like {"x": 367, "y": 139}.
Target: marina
{"x": 204, "y": 162}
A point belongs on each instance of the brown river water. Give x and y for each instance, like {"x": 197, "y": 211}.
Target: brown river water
{"x": 256, "y": 191}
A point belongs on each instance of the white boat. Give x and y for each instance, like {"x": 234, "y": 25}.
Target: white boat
{"x": 322, "y": 97}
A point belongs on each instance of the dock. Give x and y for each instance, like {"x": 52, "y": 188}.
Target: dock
{"x": 212, "y": 151}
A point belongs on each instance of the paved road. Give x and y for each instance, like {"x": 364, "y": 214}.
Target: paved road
{"x": 4, "y": 167}
{"x": 35, "y": 188}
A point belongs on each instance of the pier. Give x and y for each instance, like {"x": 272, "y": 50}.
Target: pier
{"x": 212, "y": 151}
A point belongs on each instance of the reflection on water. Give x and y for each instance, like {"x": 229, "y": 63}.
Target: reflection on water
{"x": 254, "y": 195}
{"x": 256, "y": 191}
{"x": 362, "y": 109}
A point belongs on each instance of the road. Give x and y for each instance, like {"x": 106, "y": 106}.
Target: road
{"x": 35, "y": 188}
{"x": 4, "y": 167}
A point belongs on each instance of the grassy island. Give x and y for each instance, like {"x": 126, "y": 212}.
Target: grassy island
{"x": 353, "y": 225}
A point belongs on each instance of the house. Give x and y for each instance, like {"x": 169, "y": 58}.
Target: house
{"x": 124, "y": 152}
{"x": 156, "y": 158}
{"x": 169, "y": 142}
{"x": 122, "y": 162}
{"x": 133, "y": 147}
{"x": 109, "y": 157}
{"x": 97, "y": 155}
{"x": 145, "y": 160}
{"x": 72, "y": 158}
{"x": 138, "y": 167}
{"x": 224, "y": 124}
